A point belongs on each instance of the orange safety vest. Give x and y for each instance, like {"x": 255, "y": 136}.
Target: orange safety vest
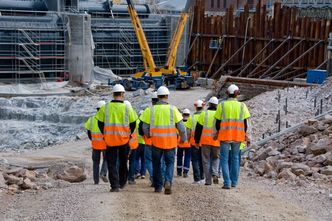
{"x": 148, "y": 141}
{"x": 231, "y": 129}
{"x": 133, "y": 142}
{"x": 116, "y": 134}
{"x": 186, "y": 144}
{"x": 207, "y": 133}
{"x": 97, "y": 138}
{"x": 193, "y": 128}
{"x": 165, "y": 136}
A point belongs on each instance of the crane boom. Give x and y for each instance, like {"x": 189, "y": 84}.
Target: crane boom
{"x": 172, "y": 50}
{"x": 149, "y": 63}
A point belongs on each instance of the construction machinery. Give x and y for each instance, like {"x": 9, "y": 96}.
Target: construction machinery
{"x": 153, "y": 75}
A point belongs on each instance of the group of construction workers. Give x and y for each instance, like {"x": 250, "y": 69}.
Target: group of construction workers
{"x": 211, "y": 139}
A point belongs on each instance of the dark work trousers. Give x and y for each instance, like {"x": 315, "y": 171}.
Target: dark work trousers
{"x": 96, "y": 162}
{"x": 183, "y": 164}
{"x": 132, "y": 164}
{"x": 196, "y": 160}
{"x": 117, "y": 158}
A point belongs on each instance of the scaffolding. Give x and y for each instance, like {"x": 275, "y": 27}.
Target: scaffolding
{"x": 32, "y": 47}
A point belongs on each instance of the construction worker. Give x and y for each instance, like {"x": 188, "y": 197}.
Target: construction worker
{"x": 231, "y": 126}
{"x": 98, "y": 146}
{"x": 196, "y": 155}
{"x": 118, "y": 121}
{"x": 242, "y": 146}
{"x": 183, "y": 151}
{"x": 161, "y": 122}
{"x": 140, "y": 167}
{"x": 133, "y": 144}
{"x": 204, "y": 137}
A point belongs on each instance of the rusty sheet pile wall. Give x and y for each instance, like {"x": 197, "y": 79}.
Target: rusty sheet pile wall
{"x": 260, "y": 44}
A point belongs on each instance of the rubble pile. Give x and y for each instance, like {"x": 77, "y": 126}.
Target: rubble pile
{"x": 305, "y": 154}
{"x": 294, "y": 104}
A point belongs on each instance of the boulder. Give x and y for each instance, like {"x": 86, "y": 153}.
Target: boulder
{"x": 2, "y": 181}
{"x": 300, "y": 169}
{"x": 301, "y": 149}
{"x": 306, "y": 130}
{"x": 326, "y": 170}
{"x": 260, "y": 168}
{"x": 287, "y": 174}
{"x": 327, "y": 119}
{"x": 27, "y": 174}
{"x": 328, "y": 158}
{"x": 317, "y": 149}
{"x": 13, "y": 188}
{"x": 282, "y": 165}
{"x": 28, "y": 184}
{"x": 262, "y": 153}
{"x": 73, "y": 174}
{"x": 11, "y": 179}
{"x": 274, "y": 153}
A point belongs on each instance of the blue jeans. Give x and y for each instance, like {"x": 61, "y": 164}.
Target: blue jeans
{"x": 230, "y": 152}
{"x": 196, "y": 160}
{"x": 183, "y": 165}
{"x": 148, "y": 159}
{"x": 169, "y": 156}
{"x": 229, "y": 162}
{"x": 132, "y": 160}
{"x": 140, "y": 160}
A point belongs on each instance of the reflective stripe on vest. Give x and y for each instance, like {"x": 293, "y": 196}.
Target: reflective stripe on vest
{"x": 207, "y": 133}
{"x": 97, "y": 138}
{"x": 231, "y": 129}
{"x": 165, "y": 136}
{"x": 116, "y": 134}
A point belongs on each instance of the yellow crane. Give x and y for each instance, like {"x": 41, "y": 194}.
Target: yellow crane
{"x": 152, "y": 74}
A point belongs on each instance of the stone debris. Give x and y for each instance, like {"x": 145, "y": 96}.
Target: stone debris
{"x": 305, "y": 154}
{"x": 73, "y": 174}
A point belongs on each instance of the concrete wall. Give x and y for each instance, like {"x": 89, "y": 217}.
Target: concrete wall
{"x": 80, "y": 48}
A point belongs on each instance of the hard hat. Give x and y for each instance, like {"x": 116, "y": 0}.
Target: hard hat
{"x": 154, "y": 95}
{"x": 233, "y": 89}
{"x": 118, "y": 88}
{"x": 214, "y": 100}
{"x": 127, "y": 103}
{"x": 162, "y": 90}
{"x": 100, "y": 104}
{"x": 199, "y": 103}
{"x": 186, "y": 111}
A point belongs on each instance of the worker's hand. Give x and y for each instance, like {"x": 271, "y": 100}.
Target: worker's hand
{"x": 248, "y": 141}
{"x": 181, "y": 141}
{"x": 215, "y": 137}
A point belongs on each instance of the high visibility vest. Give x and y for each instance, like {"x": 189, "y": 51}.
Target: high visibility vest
{"x": 116, "y": 130}
{"x": 148, "y": 141}
{"x": 232, "y": 126}
{"x": 186, "y": 144}
{"x": 207, "y": 132}
{"x": 164, "y": 135}
{"x": 134, "y": 140}
{"x": 194, "y": 119}
{"x": 97, "y": 138}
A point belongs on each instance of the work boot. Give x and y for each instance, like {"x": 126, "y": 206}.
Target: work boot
{"x": 158, "y": 190}
{"x": 226, "y": 187}
{"x": 168, "y": 188}
{"x": 104, "y": 178}
{"x": 131, "y": 182}
{"x": 185, "y": 175}
{"x": 215, "y": 180}
{"x": 115, "y": 190}
{"x": 143, "y": 177}
{"x": 179, "y": 174}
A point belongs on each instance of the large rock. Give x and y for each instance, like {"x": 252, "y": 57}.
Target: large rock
{"x": 2, "y": 181}
{"x": 28, "y": 184}
{"x": 27, "y": 174}
{"x": 320, "y": 158}
{"x": 287, "y": 174}
{"x": 262, "y": 153}
{"x": 306, "y": 130}
{"x": 74, "y": 174}
{"x": 328, "y": 158}
{"x": 317, "y": 149}
{"x": 282, "y": 165}
{"x": 326, "y": 170}
{"x": 300, "y": 169}
{"x": 260, "y": 168}
{"x": 327, "y": 119}
{"x": 11, "y": 179}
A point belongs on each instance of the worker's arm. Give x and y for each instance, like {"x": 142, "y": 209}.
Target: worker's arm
{"x": 146, "y": 129}
{"x": 198, "y": 132}
{"x": 182, "y": 131}
{"x": 132, "y": 126}
{"x": 245, "y": 125}
{"x": 140, "y": 128}
{"x": 101, "y": 126}
{"x": 89, "y": 134}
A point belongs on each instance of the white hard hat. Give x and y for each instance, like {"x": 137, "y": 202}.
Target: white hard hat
{"x": 127, "y": 103}
{"x": 214, "y": 100}
{"x": 199, "y": 103}
{"x": 100, "y": 104}
{"x": 233, "y": 89}
{"x": 186, "y": 111}
{"x": 154, "y": 95}
{"x": 162, "y": 90}
{"x": 118, "y": 88}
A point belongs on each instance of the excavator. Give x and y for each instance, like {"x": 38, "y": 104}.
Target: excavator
{"x": 168, "y": 75}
